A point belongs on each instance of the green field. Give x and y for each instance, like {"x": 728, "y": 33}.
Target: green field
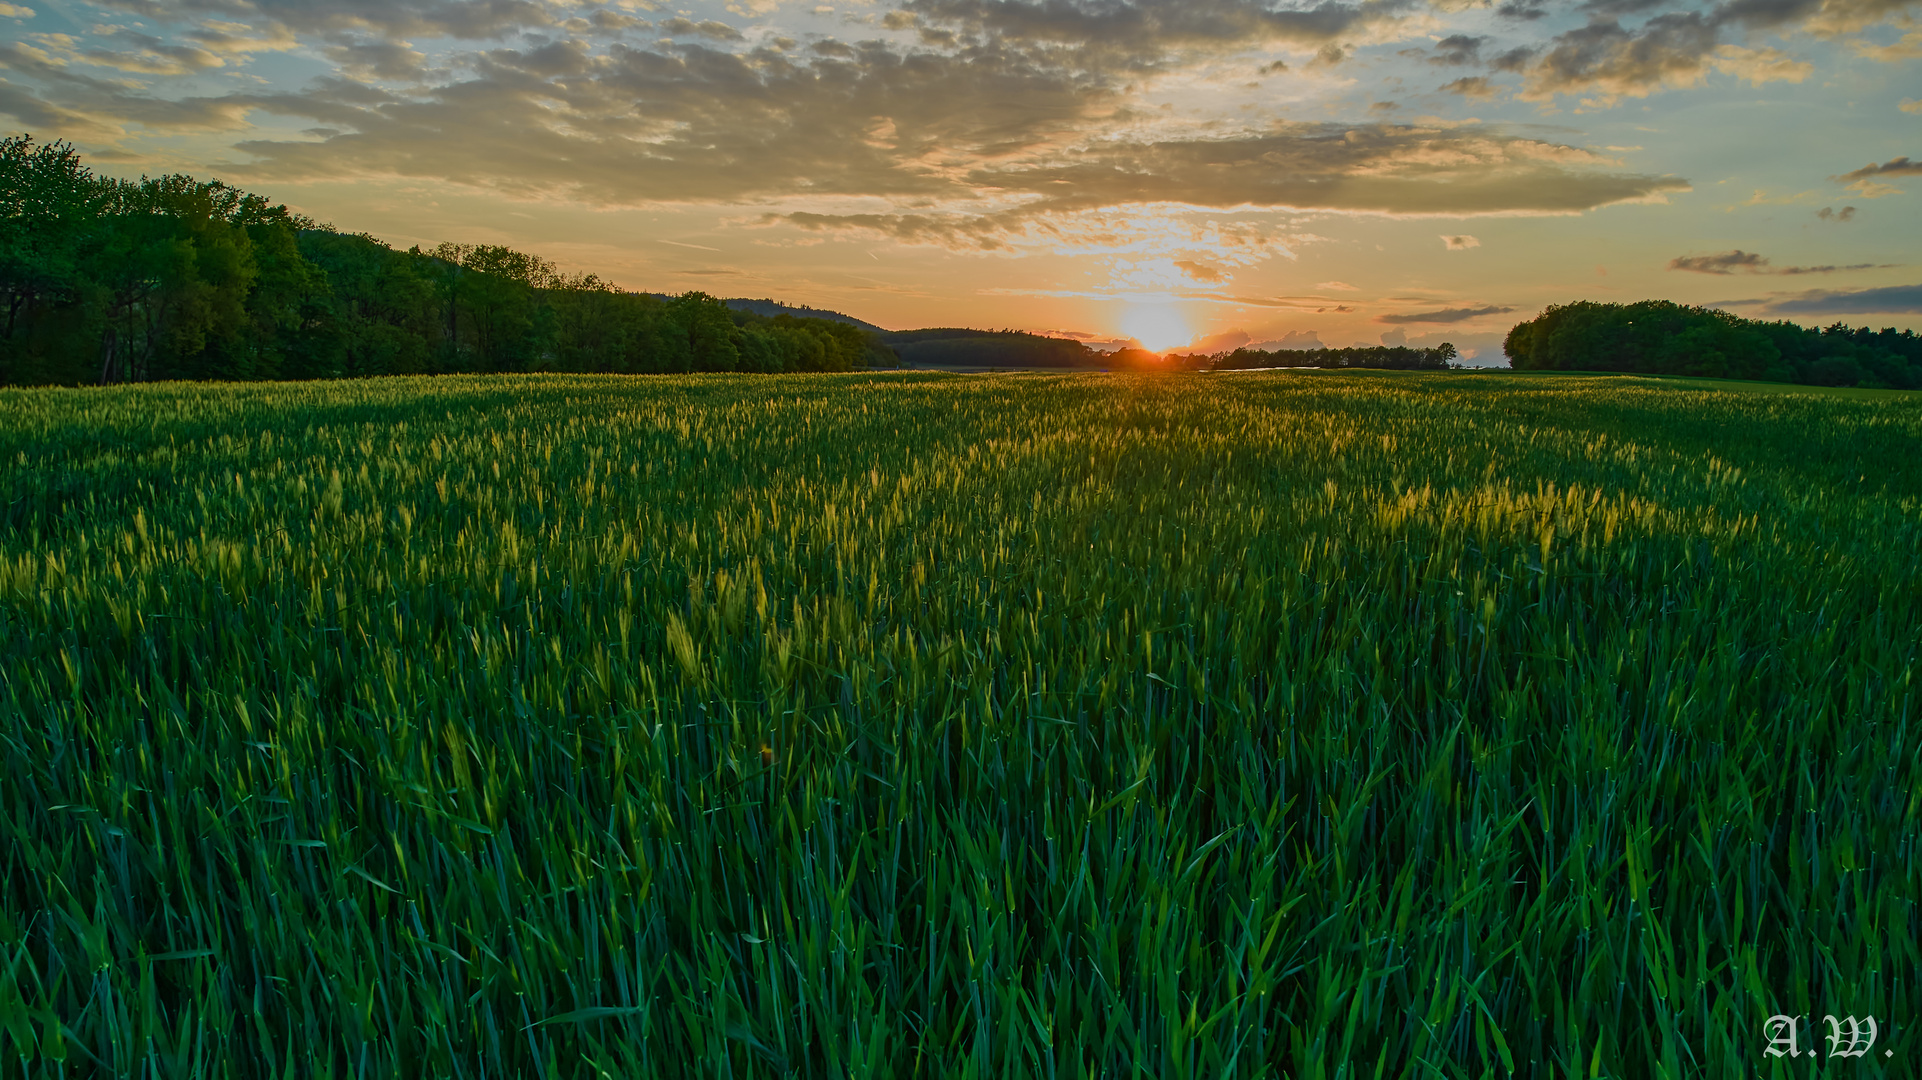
{"x": 1271, "y": 724}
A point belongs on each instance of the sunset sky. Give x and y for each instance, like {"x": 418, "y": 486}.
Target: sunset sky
{"x": 1185, "y": 172}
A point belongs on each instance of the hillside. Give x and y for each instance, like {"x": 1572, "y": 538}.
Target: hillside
{"x": 769, "y": 309}
{"x": 957, "y": 347}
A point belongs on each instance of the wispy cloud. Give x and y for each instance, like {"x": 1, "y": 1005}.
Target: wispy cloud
{"x": 1748, "y": 262}
{"x": 1445, "y": 315}
{"x": 1886, "y": 300}
{"x": 1865, "y": 180}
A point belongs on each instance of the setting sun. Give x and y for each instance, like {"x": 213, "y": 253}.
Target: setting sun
{"x": 1159, "y": 327}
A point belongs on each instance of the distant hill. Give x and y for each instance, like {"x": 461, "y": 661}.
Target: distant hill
{"x": 770, "y": 309}
{"x": 953, "y": 346}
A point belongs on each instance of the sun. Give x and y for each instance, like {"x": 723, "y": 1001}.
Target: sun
{"x": 1159, "y": 327}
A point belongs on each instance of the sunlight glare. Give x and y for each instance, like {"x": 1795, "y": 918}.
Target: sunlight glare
{"x": 1159, "y": 327}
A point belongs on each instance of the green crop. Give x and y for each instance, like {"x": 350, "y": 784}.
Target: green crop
{"x": 1189, "y": 726}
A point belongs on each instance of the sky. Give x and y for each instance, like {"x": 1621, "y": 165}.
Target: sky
{"x": 1183, "y": 173}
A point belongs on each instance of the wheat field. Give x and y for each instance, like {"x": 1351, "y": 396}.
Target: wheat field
{"x": 1263, "y": 724}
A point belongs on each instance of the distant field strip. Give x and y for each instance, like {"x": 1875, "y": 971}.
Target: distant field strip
{"x": 932, "y": 725}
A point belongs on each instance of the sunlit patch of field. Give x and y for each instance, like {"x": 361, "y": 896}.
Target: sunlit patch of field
{"x": 938, "y": 725}
{"x": 1752, "y": 386}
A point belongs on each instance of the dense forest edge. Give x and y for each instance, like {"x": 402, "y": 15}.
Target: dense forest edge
{"x": 111, "y": 281}
{"x": 1656, "y": 337}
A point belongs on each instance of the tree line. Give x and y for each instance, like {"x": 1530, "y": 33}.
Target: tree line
{"x": 111, "y": 281}
{"x": 1657, "y": 337}
{"x": 1377, "y": 357}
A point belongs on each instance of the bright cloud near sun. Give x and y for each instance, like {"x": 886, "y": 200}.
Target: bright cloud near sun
{"x": 1172, "y": 170}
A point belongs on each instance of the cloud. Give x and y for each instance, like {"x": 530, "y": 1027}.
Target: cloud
{"x": 1146, "y": 30}
{"x": 1207, "y": 275}
{"x": 1219, "y": 343}
{"x": 716, "y": 31}
{"x": 1460, "y": 243}
{"x": 15, "y": 11}
{"x": 1758, "y": 66}
{"x": 1399, "y": 169}
{"x": 1889, "y": 299}
{"x": 395, "y": 61}
{"x": 1670, "y": 50}
{"x": 1337, "y": 286}
{"x": 480, "y": 19}
{"x": 1471, "y": 86}
{"x": 1725, "y": 263}
{"x": 1864, "y": 183}
{"x": 1394, "y": 337}
{"x": 1912, "y": 105}
{"x": 1615, "y": 9}
{"x": 1458, "y": 49}
{"x": 1445, "y": 315}
{"x": 1901, "y": 166}
{"x": 73, "y": 105}
{"x": 688, "y": 123}
{"x": 1829, "y": 213}
{"x": 1728, "y": 262}
{"x": 1909, "y": 48}
{"x": 1605, "y": 59}
{"x": 1515, "y": 59}
{"x": 1292, "y": 340}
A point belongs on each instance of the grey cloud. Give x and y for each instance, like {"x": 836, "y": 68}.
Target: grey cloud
{"x": 1525, "y": 10}
{"x": 1829, "y": 213}
{"x": 1515, "y": 59}
{"x": 40, "y": 115}
{"x": 614, "y": 22}
{"x": 1458, "y": 49}
{"x": 717, "y": 31}
{"x": 1793, "y": 270}
{"x": 1445, "y": 315}
{"x": 102, "y": 108}
{"x": 1889, "y": 299}
{"x": 1725, "y": 263}
{"x": 1604, "y": 56}
{"x": 1400, "y": 169}
{"x": 626, "y": 126}
{"x": 1749, "y": 262}
{"x": 1901, "y": 166}
{"x": 1471, "y": 86}
{"x": 1615, "y": 9}
{"x": 1679, "y": 48}
{"x": 1391, "y": 169}
{"x": 1147, "y": 28}
{"x": 390, "y": 60}
{"x": 996, "y": 128}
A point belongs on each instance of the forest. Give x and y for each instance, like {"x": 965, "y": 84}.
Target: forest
{"x": 1376, "y": 357}
{"x": 114, "y": 281}
{"x": 1008, "y": 348}
{"x": 1656, "y": 337}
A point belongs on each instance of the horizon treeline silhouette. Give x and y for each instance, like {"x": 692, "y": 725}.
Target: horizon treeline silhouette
{"x": 111, "y": 281}
{"x": 1657, "y": 337}
{"x": 1371, "y": 357}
